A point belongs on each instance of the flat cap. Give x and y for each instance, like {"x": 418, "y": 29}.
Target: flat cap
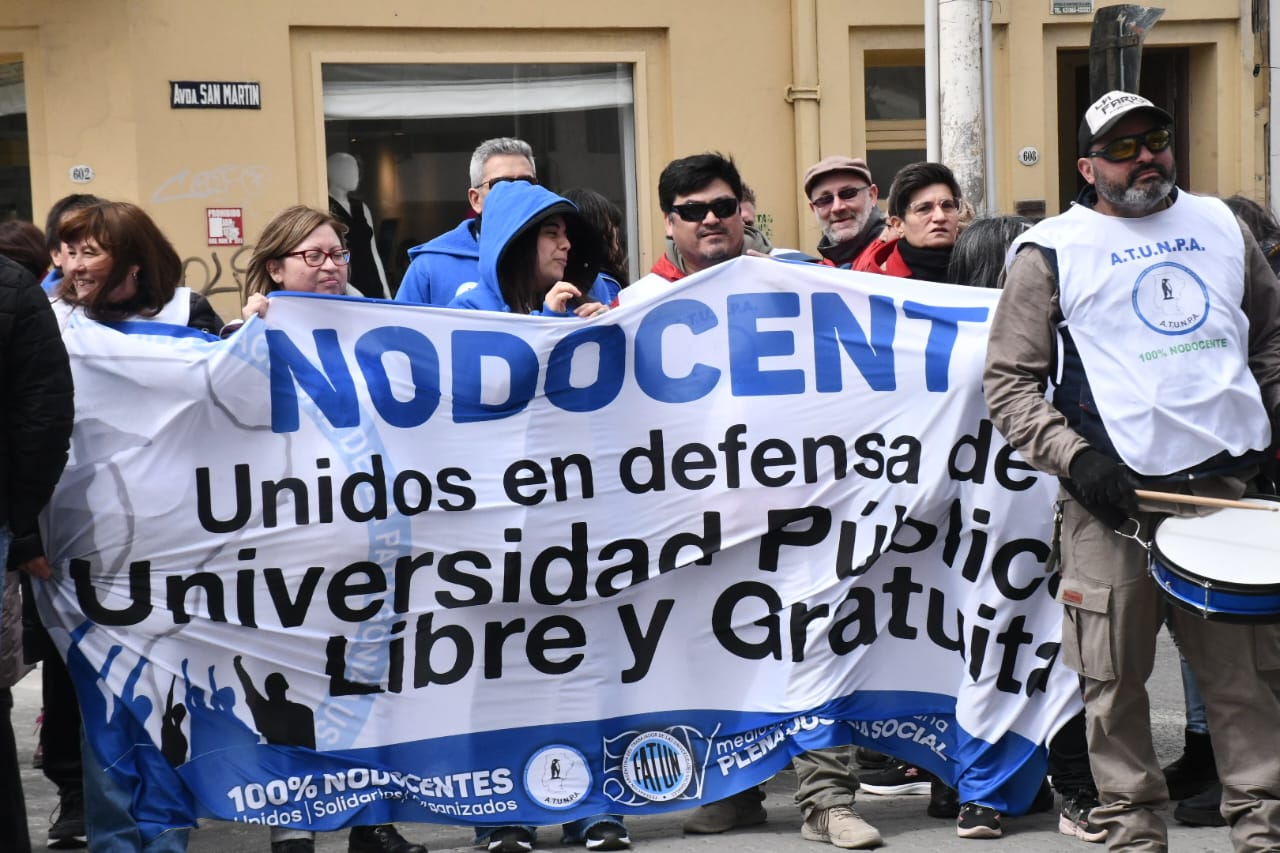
{"x": 830, "y": 165}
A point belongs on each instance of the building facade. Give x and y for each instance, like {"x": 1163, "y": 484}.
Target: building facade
{"x": 216, "y": 117}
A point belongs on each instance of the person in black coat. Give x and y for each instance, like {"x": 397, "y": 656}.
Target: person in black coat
{"x": 35, "y": 433}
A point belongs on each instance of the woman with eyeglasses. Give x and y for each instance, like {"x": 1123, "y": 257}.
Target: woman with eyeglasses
{"x": 301, "y": 249}
{"x": 924, "y": 222}
{"x": 304, "y": 250}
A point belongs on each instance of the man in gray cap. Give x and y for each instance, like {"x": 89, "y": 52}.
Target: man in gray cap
{"x": 1158, "y": 318}
{"x": 843, "y": 197}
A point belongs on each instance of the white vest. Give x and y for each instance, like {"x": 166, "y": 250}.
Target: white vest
{"x": 1153, "y": 305}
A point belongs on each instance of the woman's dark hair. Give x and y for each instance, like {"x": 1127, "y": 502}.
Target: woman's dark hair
{"x": 978, "y": 256}
{"x": 1260, "y": 221}
{"x": 517, "y": 266}
{"x": 131, "y": 238}
{"x": 916, "y": 176}
{"x": 22, "y": 243}
{"x": 59, "y": 209}
{"x": 606, "y": 218}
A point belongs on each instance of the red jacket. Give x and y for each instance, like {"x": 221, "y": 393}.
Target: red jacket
{"x": 882, "y": 258}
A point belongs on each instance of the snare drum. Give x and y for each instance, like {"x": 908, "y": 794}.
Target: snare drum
{"x": 1224, "y": 566}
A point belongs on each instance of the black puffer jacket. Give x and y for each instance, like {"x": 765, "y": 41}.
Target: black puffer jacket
{"x": 36, "y": 406}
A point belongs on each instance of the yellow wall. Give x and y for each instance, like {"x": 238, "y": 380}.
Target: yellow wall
{"x": 709, "y": 75}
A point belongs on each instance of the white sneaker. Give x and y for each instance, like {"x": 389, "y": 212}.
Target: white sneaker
{"x": 841, "y": 826}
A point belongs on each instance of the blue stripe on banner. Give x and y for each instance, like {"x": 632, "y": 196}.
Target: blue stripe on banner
{"x": 164, "y": 330}
{"x": 551, "y": 774}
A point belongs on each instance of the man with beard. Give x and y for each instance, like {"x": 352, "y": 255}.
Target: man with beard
{"x": 843, "y": 198}
{"x": 1158, "y": 318}
{"x": 701, "y": 200}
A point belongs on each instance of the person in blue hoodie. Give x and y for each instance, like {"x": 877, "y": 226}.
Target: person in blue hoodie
{"x": 538, "y": 255}
{"x": 439, "y": 266}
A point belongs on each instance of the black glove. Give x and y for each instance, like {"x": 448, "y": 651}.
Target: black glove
{"x": 1103, "y": 486}
{"x": 1267, "y": 481}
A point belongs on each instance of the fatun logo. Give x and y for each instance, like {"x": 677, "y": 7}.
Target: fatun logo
{"x": 657, "y": 766}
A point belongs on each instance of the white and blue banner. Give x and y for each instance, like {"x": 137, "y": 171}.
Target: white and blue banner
{"x": 363, "y": 562}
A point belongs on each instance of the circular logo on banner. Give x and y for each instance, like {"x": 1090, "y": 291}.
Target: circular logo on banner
{"x": 557, "y": 777}
{"x": 1170, "y": 299}
{"x": 657, "y": 766}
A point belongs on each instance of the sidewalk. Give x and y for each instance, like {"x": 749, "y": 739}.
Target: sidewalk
{"x": 901, "y": 820}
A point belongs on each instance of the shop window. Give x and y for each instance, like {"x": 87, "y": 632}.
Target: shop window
{"x": 412, "y": 128}
{"x": 15, "y": 160}
{"x": 895, "y": 112}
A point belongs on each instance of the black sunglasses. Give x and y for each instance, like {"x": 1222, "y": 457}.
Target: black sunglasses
{"x": 1126, "y": 147}
{"x": 845, "y": 194}
{"x": 696, "y": 211}
{"x": 528, "y": 179}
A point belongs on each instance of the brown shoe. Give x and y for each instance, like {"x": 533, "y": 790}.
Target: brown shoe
{"x": 740, "y": 810}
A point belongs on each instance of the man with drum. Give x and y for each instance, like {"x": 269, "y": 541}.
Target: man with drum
{"x": 1153, "y": 318}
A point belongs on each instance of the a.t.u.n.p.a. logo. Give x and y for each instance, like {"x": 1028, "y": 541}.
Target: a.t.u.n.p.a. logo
{"x": 657, "y": 766}
{"x": 1170, "y": 299}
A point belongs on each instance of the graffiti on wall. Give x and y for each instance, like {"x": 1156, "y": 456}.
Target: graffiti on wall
{"x": 211, "y": 274}
{"x": 228, "y": 179}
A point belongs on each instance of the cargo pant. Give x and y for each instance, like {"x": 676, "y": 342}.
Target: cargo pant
{"x": 1112, "y": 613}
{"x": 825, "y": 778}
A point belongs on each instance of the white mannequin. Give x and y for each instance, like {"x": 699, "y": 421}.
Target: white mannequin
{"x": 344, "y": 177}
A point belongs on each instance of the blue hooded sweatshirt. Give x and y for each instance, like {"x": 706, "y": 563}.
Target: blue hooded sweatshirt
{"x": 513, "y": 208}
{"x": 438, "y": 267}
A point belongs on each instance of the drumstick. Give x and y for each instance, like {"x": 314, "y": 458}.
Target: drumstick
{"x": 1170, "y": 497}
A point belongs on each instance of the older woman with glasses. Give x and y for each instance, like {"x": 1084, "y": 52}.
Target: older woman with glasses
{"x": 924, "y": 222}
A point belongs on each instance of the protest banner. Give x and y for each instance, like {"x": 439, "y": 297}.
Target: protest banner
{"x": 363, "y": 562}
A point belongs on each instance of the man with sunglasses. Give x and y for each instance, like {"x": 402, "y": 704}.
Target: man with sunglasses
{"x": 700, "y": 196}
{"x": 440, "y": 266}
{"x": 1153, "y": 319}
{"x": 843, "y": 198}
{"x": 701, "y": 199}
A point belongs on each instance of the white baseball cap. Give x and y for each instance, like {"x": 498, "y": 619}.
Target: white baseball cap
{"x": 1103, "y": 114}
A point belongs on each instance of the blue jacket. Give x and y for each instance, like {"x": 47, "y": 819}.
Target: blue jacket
{"x": 511, "y": 209}
{"x": 438, "y": 267}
